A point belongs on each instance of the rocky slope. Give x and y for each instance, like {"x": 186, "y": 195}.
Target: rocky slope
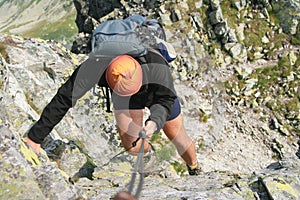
{"x": 240, "y": 99}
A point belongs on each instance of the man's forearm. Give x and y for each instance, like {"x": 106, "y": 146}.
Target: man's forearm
{"x": 52, "y": 113}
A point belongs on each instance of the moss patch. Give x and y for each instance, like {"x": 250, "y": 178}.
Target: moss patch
{"x": 277, "y": 87}
{"x": 279, "y": 185}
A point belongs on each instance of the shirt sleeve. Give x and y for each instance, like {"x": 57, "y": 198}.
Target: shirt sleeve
{"x": 81, "y": 81}
{"x": 164, "y": 95}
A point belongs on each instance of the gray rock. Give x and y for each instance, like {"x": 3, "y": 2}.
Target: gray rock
{"x": 215, "y": 4}
{"x": 216, "y": 17}
{"x": 197, "y": 22}
{"x": 175, "y": 15}
{"x": 16, "y": 175}
{"x": 289, "y": 14}
{"x": 237, "y": 51}
{"x": 221, "y": 29}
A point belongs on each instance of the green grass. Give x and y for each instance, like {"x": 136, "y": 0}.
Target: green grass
{"x": 16, "y": 2}
{"x": 253, "y": 35}
{"x": 7, "y": 29}
{"x": 231, "y": 13}
{"x": 3, "y": 52}
{"x": 165, "y": 152}
{"x": 179, "y": 167}
{"x": 60, "y": 30}
{"x": 63, "y": 30}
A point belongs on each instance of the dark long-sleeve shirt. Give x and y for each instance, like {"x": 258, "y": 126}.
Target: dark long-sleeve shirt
{"x": 157, "y": 93}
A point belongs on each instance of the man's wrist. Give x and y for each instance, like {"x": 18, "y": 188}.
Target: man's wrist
{"x": 152, "y": 125}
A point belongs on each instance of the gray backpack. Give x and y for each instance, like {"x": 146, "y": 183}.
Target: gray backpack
{"x": 132, "y": 36}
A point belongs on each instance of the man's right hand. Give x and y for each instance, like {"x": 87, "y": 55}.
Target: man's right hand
{"x": 35, "y": 146}
{"x": 150, "y": 128}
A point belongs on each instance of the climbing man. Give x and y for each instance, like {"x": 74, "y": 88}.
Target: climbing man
{"x": 134, "y": 87}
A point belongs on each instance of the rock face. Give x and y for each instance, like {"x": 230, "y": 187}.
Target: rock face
{"x": 243, "y": 114}
{"x": 219, "y": 26}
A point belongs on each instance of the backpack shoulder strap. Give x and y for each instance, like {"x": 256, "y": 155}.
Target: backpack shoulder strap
{"x": 152, "y": 50}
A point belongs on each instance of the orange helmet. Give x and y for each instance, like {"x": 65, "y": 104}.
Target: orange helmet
{"x": 124, "y": 75}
